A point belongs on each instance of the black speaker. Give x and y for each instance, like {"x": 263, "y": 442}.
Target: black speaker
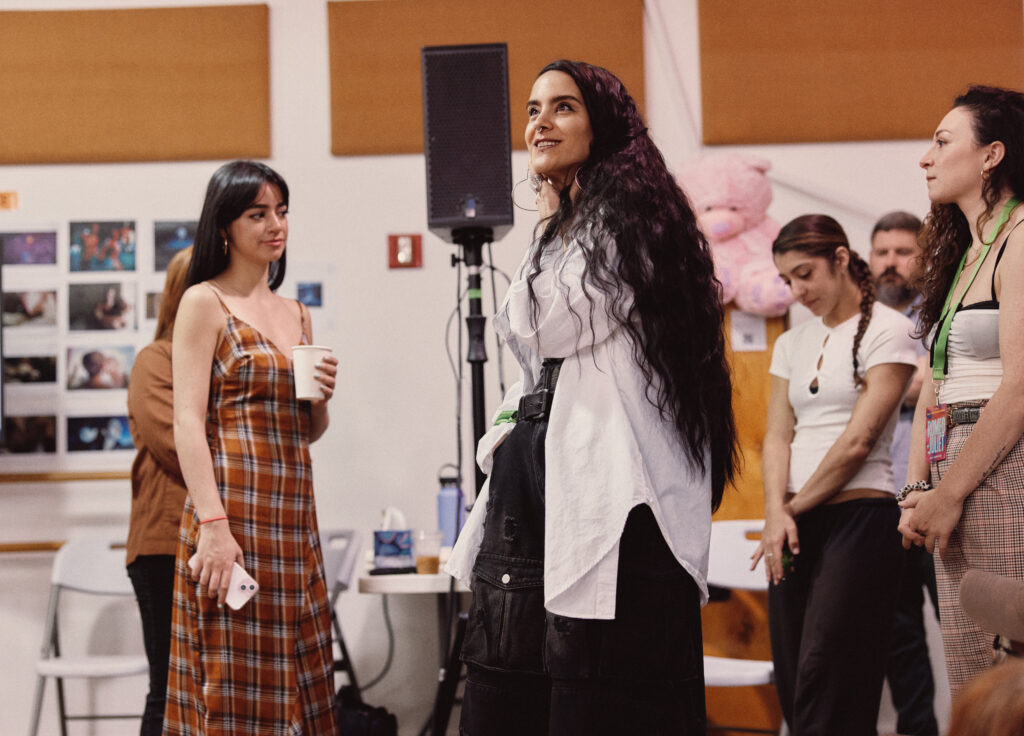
{"x": 466, "y": 139}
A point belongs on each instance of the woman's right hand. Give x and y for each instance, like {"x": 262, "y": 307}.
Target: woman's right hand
{"x": 547, "y": 195}
{"x": 779, "y": 529}
{"x": 216, "y": 553}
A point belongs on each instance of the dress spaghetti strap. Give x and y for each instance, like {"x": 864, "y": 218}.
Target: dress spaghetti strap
{"x": 216, "y": 293}
{"x": 304, "y": 324}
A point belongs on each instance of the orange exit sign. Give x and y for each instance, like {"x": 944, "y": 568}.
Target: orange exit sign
{"x": 8, "y": 200}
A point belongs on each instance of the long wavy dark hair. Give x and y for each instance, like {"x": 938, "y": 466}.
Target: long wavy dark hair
{"x": 675, "y": 317}
{"x": 820, "y": 236}
{"x": 996, "y": 115}
{"x": 231, "y": 191}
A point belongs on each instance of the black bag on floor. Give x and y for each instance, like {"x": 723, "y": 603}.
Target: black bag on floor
{"x": 356, "y": 718}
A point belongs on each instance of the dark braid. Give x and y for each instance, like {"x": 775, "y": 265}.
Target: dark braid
{"x": 821, "y": 236}
{"x": 861, "y": 274}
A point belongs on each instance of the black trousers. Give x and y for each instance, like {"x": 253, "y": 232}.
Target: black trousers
{"x": 831, "y": 617}
{"x": 531, "y": 673}
{"x": 152, "y": 578}
{"x": 909, "y": 669}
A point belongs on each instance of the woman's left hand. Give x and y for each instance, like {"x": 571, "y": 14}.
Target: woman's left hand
{"x": 928, "y": 519}
{"x": 326, "y": 375}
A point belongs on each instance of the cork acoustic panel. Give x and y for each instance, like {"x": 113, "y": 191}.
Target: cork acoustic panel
{"x": 135, "y": 85}
{"x": 806, "y": 70}
{"x": 376, "y": 100}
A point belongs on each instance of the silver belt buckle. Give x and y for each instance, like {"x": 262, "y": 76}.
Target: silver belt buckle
{"x": 964, "y": 415}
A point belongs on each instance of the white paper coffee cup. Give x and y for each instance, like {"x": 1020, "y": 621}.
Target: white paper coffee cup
{"x": 304, "y": 361}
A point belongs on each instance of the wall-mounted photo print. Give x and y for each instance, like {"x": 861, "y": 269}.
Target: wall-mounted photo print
{"x": 102, "y": 246}
{"x": 30, "y": 309}
{"x": 29, "y": 248}
{"x": 101, "y": 306}
{"x": 31, "y": 369}
{"x": 153, "y": 304}
{"x": 87, "y": 434}
{"x": 99, "y": 367}
{"x": 310, "y": 293}
{"x": 169, "y": 238}
{"x": 23, "y": 435}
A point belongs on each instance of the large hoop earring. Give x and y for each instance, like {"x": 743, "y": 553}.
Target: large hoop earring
{"x": 576, "y": 179}
{"x": 516, "y": 188}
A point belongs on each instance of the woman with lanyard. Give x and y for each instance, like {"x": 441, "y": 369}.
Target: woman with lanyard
{"x": 965, "y": 491}
{"x": 587, "y": 551}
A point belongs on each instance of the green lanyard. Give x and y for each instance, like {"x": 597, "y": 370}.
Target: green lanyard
{"x": 939, "y": 358}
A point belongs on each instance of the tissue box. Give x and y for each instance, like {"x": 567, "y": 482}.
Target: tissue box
{"x": 393, "y": 548}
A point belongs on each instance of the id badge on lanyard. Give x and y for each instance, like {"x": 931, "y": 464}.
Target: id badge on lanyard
{"x": 936, "y": 421}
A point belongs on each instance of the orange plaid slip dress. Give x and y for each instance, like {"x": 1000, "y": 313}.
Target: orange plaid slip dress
{"x": 267, "y": 668}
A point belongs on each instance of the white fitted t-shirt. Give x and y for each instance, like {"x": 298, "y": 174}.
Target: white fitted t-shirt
{"x": 822, "y": 415}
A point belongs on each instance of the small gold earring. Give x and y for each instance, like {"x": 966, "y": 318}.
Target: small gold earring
{"x": 225, "y": 246}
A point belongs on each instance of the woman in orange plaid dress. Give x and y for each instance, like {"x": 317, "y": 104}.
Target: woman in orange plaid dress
{"x": 242, "y": 440}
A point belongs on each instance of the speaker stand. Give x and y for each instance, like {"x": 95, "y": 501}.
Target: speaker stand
{"x": 471, "y": 241}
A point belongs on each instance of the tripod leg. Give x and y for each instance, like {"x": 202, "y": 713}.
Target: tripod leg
{"x": 450, "y": 680}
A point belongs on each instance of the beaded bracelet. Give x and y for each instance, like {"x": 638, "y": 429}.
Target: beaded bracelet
{"x": 213, "y": 518}
{"x": 921, "y": 485}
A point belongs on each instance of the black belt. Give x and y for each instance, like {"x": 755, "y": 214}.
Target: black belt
{"x": 964, "y": 414}
{"x": 537, "y": 404}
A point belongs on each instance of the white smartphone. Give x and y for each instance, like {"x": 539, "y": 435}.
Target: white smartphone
{"x": 241, "y": 588}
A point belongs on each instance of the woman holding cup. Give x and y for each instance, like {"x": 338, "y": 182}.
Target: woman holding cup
{"x": 243, "y": 439}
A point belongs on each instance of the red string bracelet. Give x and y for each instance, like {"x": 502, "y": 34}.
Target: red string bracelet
{"x": 215, "y": 518}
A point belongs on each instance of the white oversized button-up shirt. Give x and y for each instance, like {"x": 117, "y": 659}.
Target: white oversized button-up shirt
{"x": 607, "y": 448}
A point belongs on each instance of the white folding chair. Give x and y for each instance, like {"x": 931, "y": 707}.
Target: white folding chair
{"x": 340, "y": 550}
{"x": 87, "y": 565}
{"x": 729, "y": 567}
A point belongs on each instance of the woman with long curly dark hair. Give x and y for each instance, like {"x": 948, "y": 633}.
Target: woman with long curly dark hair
{"x": 587, "y": 552}
{"x": 966, "y": 440}
{"x": 829, "y": 507}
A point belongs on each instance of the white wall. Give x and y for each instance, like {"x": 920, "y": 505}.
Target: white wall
{"x": 393, "y": 419}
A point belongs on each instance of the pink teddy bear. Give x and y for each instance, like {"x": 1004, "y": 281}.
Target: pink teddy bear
{"x": 730, "y": 194}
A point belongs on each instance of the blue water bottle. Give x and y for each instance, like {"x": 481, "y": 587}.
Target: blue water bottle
{"x": 451, "y": 511}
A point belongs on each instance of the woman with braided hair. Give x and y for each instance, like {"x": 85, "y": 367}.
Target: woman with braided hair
{"x": 829, "y": 551}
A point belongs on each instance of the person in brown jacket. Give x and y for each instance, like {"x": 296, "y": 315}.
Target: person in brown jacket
{"x": 158, "y": 493}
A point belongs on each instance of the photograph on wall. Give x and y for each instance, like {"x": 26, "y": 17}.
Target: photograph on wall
{"x": 310, "y": 293}
{"x": 30, "y": 308}
{"x": 29, "y": 249}
{"x": 153, "y": 304}
{"x": 102, "y": 246}
{"x": 29, "y": 434}
{"x": 101, "y": 306}
{"x": 100, "y": 433}
{"x": 30, "y": 369}
{"x": 99, "y": 368}
{"x": 169, "y": 238}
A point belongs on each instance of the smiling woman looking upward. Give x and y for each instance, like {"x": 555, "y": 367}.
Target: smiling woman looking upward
{"x": 587, "y": 549}
{"x": 829, "y": 507}
{"x": 973, "y": 287}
